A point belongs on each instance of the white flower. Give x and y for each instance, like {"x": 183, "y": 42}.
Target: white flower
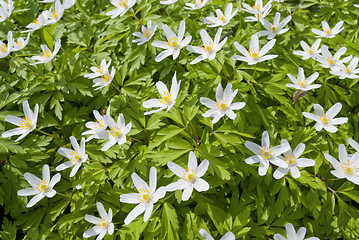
{"x": 198, "y": 4}
{"x": 168, "y": 2}
{"x": 222, "y": 19}
{"x": 309, "y": 52}
{"x": 254, "y": 55}
{"x": 98, "y": 127}
{"x": 210, "y": 47}
{"x": 104, "y": 80}
{"x": 117, "y": 132}
{"x": 356, "y": 5}
{"x": 146, "y": 34}
{"x": 40, "y": 21}
{"x": 56, "y": 13}
{"x": 266, "y": 154}
{"x": 206, "y": 236}
{"x": 303, "y": 83}
{"x": 6, "y": 48}
{"x": 103, "y": 224}
{"x": 40, "y": 187}
{"x": 258, "y": 10}
{"x": 328, "y": 32}
{"x": 69, "y": 3}
{"x": 276, "y": 27}
{"x": 146, "y": 197}
{"x": 190, "y": 177}
{"x": 20, "y": 44}
{"x": 349, "y": 71}
{"x": 122, "y": 7}
{"x": 100, "y": 70}
{"x": 223, "y": 105}
{"x": 293, "y": 161}
{"x": 76, "y": 156}
{"x": 354, "y": 144}
{"x": 327, "y": 60}
{"x": 167, "y": 98}
{"x": 174, "y": 43}
{"x": 347, "y": 167}
{"x": 326, "y": 120}
{"x": 5, "y": 9}
{"x": 292, "y": 235}
{"x": 47, "y": 55}
{"x": 26, "y": 124}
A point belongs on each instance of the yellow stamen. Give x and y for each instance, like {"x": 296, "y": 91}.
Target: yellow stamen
{"x": 147, "y": 33}
{"x": 26, "y": 123}
{"x": 19, "y": 43}
{"x": 273, "y": 28}
{"x": 221, "y": 104}
{"x": 331, "y": 60}
{"x": 198, "y": 2}
{"x": 348, "y": 70}
{"x": 208, "y": 46}
{"x": 311, "y": 50}
{"x": 36, "y": 21}
{"x": 348, "y": 168}
{"x": 324, "y": 118}
{"x": 99, "y": 124}
{"x": 290, "y": 159}
{"x": 3, "y": 48}
{"x": 46, "y": 54}
{"x": 144, "y": 195}
{"x": 102, "y": 223}
{"x": 99, "y": 69}
{"x": 42, "y": 185}
{"x": 189, "y": 176}
{"x": 115, "y": 132}
{"x": 165, "y": 97}
{"x": 266, "y": 153}
{"x": 75, "y": 157}
{"x": 328, "y": 31}
{"x": 105, "y": 78}
{"x": 302, "y": 82}
{"x": 222, "y": 18}
{"x": 172, "y": 43}
{"x": 54, "y": 14}
{"x": 257, "y": 7}
{"x": 123, "y": 3}
{"x": 253, "y": 52}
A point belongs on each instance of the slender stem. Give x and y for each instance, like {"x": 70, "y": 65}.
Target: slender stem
{"x": 22, "y": 64}
{"x": 60, "y": 46}
{"x": 224, "y": 70}
{"x": 58, "y": 69}
{"x": 113, "y": 85}
{"x": 164, "y": 199}
{"x": 332, "y": 179}
{"x": 133, "y": 14}
{"x": 48, "y": 134}
{"x": 61, "y": 194}
{"x": 255, "y": 69}
{"x": 326, "y": 172}
{"x": 134, "y": 139}
{"x": 195, "y": 132}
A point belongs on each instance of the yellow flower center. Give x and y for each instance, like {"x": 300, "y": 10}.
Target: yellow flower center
{"x": 144, "y": 195}
{"x": 46, "y": 54}
{"x": 102, "y": 223}
{"x": 42, "y": 185}
{"x": 99, "y": 69}
{"x": 208, "y": 46}
{"x": 99, "y": 124}
{"x": 36, "y": 21}
{"x": 311, "y": 50}
{"x": 222, "y": 18}
{"x": 253, "y": 52}
{"x": 189, "y": 176}
{"x": 257, "y": 7}
{"x": 302, "y": 82}
{"x": 198, "y": 2}
{"x": 324, "y": 118}
{"x": 328, "y": 31}
{"x": 105, "y": 78}
{"x": 221, "y": 104}
{"x": 165, "y": 97}
{"x": 75, "y": 157}
{"x": 266, "y": 153}
{"x": 26, "y": 123}
{"x": 3, "y": 48}
{"x": 331, "y": 60}
{"x": 54, "y": 14}
{"x": 273, "y": 27}
{"x": 147, "y": 33}
{"x": 348, "y": 70}
{"x": 259, "y": 15}
{"x": 115, "y": 132}
{"x": 123, "y": 3}
{"x": 348, "y": 168}
{"x": 290, "y": 159}
{"x": 19, "y": 43}
{"x": 172, "y": 43}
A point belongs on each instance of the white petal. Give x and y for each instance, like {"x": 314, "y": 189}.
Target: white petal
{"x": 139, "y": 209}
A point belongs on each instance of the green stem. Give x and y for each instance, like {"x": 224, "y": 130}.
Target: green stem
{"x": 60, "y": 46}
{"x": 195, "y": 132}
{"x": 224, "y": 70}
{"x": 162, "y": 200}
{"x": 255, "y": 69}
{"x": 133, "y": 14}
{"x": 58, "y": 69}
{"x": 22, "y": 64}
{"x": 45, "y": 133}
{"x": 113, "y": 85}
{"x": 70, "y": 199}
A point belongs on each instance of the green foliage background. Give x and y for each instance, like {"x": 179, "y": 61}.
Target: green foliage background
{"x": 239, "y": 200}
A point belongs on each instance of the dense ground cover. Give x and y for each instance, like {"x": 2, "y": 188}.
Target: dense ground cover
{"x": 246, "y": 199}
